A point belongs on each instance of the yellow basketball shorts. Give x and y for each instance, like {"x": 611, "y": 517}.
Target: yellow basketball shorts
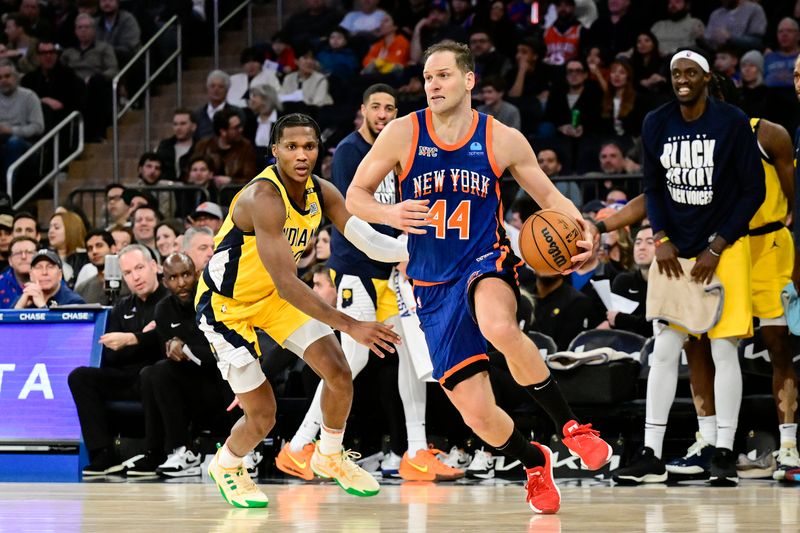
{"x": 733, "y": 272}
{"x": 772, "y": 258}
{"x": 365, "y": 298}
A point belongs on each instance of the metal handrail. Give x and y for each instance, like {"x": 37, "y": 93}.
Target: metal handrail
{"x": 176, "y": 56}
{"x": 218, "y": 24}
{"x": 58, "y": 164}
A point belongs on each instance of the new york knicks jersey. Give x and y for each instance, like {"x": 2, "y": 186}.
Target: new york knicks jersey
{"x": 775, "y": 204}
{"x": 235, "y": 270}
{"x": 461, "y": 181}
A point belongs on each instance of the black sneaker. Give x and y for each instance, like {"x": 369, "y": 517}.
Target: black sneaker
{"x": 723, "y": 469}
{"x": 106, "y": 462}
{"x": 145, "y": 465}
{"x": 644, "y": 468}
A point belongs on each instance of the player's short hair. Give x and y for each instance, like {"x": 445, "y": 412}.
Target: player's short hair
{"x": 464, "y": 59}
{"x": 193, "y": 232}
{"x": 378, "y": 88}
{"x": 103, "y": 234}
{"x": 147, "y": 254}
{"x": 293, "y": 120}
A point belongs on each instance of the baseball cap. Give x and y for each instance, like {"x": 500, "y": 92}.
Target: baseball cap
{"x": 6, "y": 221}
{"x": 208, "y": 209}
{"x": 46, "y": 255}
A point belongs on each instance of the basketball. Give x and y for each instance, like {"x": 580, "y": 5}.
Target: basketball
{"x": 547, "y": 241}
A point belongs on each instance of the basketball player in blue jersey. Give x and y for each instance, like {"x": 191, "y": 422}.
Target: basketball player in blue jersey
{"x": 450, "y": 159}
{"x": 366, "y": 293}
{"x": 251, "y": 282}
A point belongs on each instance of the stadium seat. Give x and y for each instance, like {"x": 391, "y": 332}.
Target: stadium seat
{"x": 622, "y": 341}
{"x": 545, "y": 343}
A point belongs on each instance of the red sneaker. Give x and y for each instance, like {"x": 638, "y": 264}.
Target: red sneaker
{"x": 543, "y": 494}
{"x": 585, "y": 442}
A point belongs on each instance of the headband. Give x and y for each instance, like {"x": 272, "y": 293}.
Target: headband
{"x": 701, "y": 61}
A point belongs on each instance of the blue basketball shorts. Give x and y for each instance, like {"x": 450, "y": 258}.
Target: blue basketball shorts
{"x": 447, "y": 317}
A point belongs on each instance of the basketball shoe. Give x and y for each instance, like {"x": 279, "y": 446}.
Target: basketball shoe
{"x": 697, "y": 460}
{"x": 482, "y": 465}
{"x": 457, "y": 458}
{"x": 105, "y": 462}
{"x": 427, "y": 467}
{"x": 788, "y": 459}
{"x": 723, "y": 469}
{"x": 752, "y": 466}
{"x": 144, "y": 465}
{"x": 251, "y": 462}
{"x": 792, "y": 475}
{"x": 646, "y": 468}
{"x": 296, "y": 464}
{"x": 236, "y": 486}
{"x": 344, "y": 471}
{"x": 585, "y": 442}
{"x": 182, "y": 462}
{"x": 390, "y": 465}
{"x": 543, "y": 494}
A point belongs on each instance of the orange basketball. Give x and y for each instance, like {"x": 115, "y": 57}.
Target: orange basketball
{"x": 548, "y": 240}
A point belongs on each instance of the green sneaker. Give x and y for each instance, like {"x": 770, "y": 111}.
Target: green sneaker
{"x": 236, "y": 486}
{"x": 342, "y": 468}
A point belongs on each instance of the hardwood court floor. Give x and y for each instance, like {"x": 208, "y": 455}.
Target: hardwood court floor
{"x": 412, "y": 508}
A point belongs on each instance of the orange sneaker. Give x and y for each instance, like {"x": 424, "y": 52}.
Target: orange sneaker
{"x": 426, "y": 467}
{"x": 296, "y": 464}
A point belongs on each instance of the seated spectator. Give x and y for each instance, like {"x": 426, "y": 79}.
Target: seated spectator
{"x": 149, "y": 170}
{"x": 217, "y": 85}
{"x": 633, "y": 286}
{"x": 25, "y": 224}
{"x": 280, "y": 54}
{"x": 755, "y": 95}
{"x": 167, "y": 238}
{"x": 622, "y": 111}
{"x": 413, "y": 11}
{"x": 679, "y": 30}
{"x": 145, "y": 219}
{"x": 650, "y": 70}
{"x": 232, "y": 155}
{"x": 201, "y": 174}
{"x": 208, "y": 215}
{"x": 492, "y": 92}
{"x": 337, "y": 59}
{"x": 529, "y": 84}
{"x": 563, "y": 38}
{"x": 322, "y": 248}
{"x": 253, "y": 74}
{"x": 118, "y": 28}
{"x": 117, "y": 209}
{"x": 45, "y": 288}
{"x": 593, "y": 270}
{"x": 198, "y": 243}
{"x": 738, "y": 23}
{"x": 67, "y": 235}
{"x": 612, "y": 162}
{"x": 6, "y": 234}
{"x": 93, "y": 62}
{"x": 323, "y": 283}
{"x": 779, "y": 64}
{"x": 177, "y": 390}
{"x": 598, "y": 69}
{"x": 489, "y": 62}
{"x": 307, "y": 86}
{"x": 615, "y": 30}
{"x": 263, "y": 108}
{"x": 434, "y": 28}
{"x": 129, "y": 344}
{"x": 491, "y": 16}
{"x": 20, "y": 47}
{"x": 390, "y": 53}
{"x": 59, "y": 89}
{"x": 38, "y": 26}
{"x": 561, "y": 311}
{"x": 616, "y": 196}
{"x": 726, "y": 62}
{"x": 364, "y": 22}
{"x": 551, "y": 165}
{"x": 616, "y": 247}
{"x": 21, "y": 120}
{"x": 123, "y": 235}
{"x": 306, "y": 27}
{"x": 176, "y": 151}
{"x": 17, "y": 274}
{"x": 91, "y": 281}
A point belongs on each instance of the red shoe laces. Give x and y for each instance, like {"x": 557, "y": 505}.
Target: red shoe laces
{"x": 585, "y": 429}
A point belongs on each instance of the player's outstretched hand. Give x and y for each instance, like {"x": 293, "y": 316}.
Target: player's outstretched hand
{"x": 586, "y": 244}
{"x": 704, "y": 267}
{"x": 409, "y": 215}
{"x": 374, "y": 335}
{"x": 667, "y": 259}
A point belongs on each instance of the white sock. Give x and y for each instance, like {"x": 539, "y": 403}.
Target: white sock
{"x": 708, "y": 428}
{"x": 416, "y": 438}
{"x": 788, "y": 435}
{"x": 412, "y": 393}
{"x": 661, "y": 384}
{"x": 228, "y": 459}
{"x": 330, "y": 441}
{"x": 727, "y": 389}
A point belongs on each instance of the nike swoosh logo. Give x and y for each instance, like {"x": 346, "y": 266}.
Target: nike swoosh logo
{"x": 633, "y": 291}
{"x": 296, "y": 462}
{"x": 126, "y": 317}
{"x": 420, "y": 468}
{"x": 174, "y": 325}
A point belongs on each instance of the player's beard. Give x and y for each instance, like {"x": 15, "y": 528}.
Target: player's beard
{"x": 373, "y": 132}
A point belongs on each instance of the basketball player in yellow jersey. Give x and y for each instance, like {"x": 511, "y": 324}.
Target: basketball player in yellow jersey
{"x": 251, "y": 282}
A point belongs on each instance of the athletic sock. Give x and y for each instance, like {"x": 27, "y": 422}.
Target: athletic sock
{"x": 417, "y": 439}
{"x": 330, "y": 441}
{"x": 788, "y": 435}
{"x": 662, "y": 382}
{"x": 517, "y": 447}
{"x": 727, "y": 389}
{"x": 548, "y": 395}
{"x": 228, "y": 459}
{"x": 654, "y": 437}
{"x": 309, "y": 428}
{"x": 708, "y": 428}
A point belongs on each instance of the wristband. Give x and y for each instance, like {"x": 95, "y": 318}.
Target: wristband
{"x": 662, "y": 240}
{"x": 712, "y": 252}
{"x": 601, "y": 227}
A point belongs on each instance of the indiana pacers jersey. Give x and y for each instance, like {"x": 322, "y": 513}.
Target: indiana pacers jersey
{"x": 775, "y": 204}
{"x": 235, "y": 270}
{"x": 462, "y": 183}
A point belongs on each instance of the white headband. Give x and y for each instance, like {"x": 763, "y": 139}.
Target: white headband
{"x": 691, "y": 56}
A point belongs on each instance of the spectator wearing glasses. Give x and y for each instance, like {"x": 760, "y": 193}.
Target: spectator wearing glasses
{"x": 45, "y": 288}
{"x": 233, "y": 156}
{"x": 117, "y": 210}
{"x": 14, "y": 278}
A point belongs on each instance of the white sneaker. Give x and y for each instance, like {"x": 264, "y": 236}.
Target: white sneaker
{"x": 181, "y": 463}
{"x": 371, "y": 463}
{"x": 457, "y": 458}
{"x": 251, "y": 462}
{"x": 390, "y": 466}
{"x": 788, "y": 459}
{"x": 482, "y": 465}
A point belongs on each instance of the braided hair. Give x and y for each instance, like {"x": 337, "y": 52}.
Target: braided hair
{"x": 293, "y": 120}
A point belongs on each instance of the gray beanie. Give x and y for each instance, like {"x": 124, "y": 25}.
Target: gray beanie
{"x": 753, "y": 57}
